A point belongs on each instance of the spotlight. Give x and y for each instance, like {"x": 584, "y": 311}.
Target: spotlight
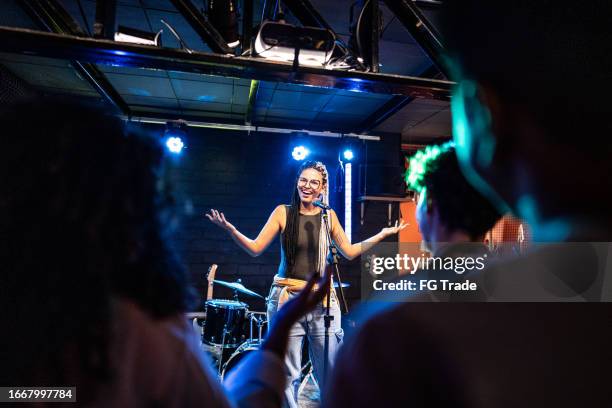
{"x": 133, "y": 35}
{"x": 175, "y": 144}
{"x": 300, "y": 152}
{"x": 176, "y": 132}
{"x": 279, "y": 41}
{"x": 348, "y": 155}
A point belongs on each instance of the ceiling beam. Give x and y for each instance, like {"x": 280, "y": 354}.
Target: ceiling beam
{"x": 423, "y": 32}
{"x": 105, "y": 24}
{"x": 50, "y": 15}
{"x": 388, "y": 109}
{"x": 247, "y": 25}
{"x": 202, "y": 26}
{"x": 304, "y": 11}
{"x": 374, "y": 35}
{"x": 97, "y": 51}
{"x": 393, "y": 105}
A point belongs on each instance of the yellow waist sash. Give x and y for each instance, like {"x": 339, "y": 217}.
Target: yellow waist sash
{"x": 291, "y": 285}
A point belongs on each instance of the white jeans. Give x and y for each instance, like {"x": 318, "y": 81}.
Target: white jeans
{"x": 312, "y": 326}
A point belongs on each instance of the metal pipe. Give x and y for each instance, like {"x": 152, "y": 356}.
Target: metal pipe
{"x": 424, "y": 33}
{"x": 251, "y": 128}
{"x": 105, "y": 24}
{"x": 304, "y": 11}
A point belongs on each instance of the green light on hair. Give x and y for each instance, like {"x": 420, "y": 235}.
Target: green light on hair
{"x": 421, "y": 162}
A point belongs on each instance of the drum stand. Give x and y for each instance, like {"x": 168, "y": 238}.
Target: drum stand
{"x": 259, "y": 321}
{"x": 336, "y": 275}
{"x": 225, "y": 332}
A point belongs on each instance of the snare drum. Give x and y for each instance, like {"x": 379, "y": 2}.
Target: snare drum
{"x": 225, "y": 321}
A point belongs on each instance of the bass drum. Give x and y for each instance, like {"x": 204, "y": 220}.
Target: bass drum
{"x": 241, "y": 352}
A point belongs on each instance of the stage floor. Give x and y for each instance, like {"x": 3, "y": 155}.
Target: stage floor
{"x": 309, "y": 398}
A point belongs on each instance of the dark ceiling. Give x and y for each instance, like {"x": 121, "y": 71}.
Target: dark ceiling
{"x": 170, "y": 94}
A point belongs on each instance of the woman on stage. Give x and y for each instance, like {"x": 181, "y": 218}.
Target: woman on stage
{"x": 304, "y": 250}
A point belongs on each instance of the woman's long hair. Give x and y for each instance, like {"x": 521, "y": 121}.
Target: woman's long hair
{"x": 83, "y": 219}
{"x": 291, "y": 233}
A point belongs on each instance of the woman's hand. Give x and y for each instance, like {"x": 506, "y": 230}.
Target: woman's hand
{"x": 218, "y": 218}
{"x": 395, "y": 229}
{"x": 292, "y": 311}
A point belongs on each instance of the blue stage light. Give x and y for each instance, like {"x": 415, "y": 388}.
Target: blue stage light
{"x": 348, "y": 155}
{"x": 175, "y": 144}
{"x": 300, "y": 152}
{"x": 175, "y": 136}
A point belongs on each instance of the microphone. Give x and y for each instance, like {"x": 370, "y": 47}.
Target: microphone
{"x": 320, "y": 204}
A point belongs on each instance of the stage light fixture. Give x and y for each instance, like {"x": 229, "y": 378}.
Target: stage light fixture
{"x": 174, "y": 136}
{"x": 279, "y": 41}
{"x": 175, "y": 144}
{"x": 135, "y": 36}
{"x": 348, "y": 154}
{"x": 300, "y": 152}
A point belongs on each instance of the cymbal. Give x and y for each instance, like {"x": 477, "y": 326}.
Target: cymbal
{"x": 344, "y": 285}
{"x": 239, "y": 287}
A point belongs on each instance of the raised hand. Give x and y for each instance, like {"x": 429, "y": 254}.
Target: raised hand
{"x": 395, "y": 229}
{"x": 218, "y": 218}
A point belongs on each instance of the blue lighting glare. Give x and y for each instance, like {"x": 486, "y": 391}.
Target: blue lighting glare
{"x": 175, "y": 144}
{"x": 348, "y": 155}
{"x": 348, "y": 201}
{"x": 356, "y": 85}
{"x": 300, "y": 152}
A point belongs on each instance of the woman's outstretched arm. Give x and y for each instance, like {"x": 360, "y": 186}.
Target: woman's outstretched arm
{"x": 351, "y": 251}
{"x": 257, "y": 246}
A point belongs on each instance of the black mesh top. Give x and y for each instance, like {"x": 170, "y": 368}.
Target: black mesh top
{"x": 307, "y": 250}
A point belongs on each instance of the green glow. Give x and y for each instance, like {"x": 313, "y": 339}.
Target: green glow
{"x": 421, "y": 162}
{"x": 475, "y": 121}
{"x": 474, "y": 143}
{"x": 459, "y": 131}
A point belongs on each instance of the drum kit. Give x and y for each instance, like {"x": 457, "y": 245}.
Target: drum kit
{"x": 229, "y": 330}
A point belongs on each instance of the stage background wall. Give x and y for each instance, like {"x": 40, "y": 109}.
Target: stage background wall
{"x": 245, "y": 176}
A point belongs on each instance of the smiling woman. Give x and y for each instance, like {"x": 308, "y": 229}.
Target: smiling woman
{"x": 304, "y": 251}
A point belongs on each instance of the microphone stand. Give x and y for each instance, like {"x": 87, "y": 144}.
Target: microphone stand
{"x": 335, "y": 271}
